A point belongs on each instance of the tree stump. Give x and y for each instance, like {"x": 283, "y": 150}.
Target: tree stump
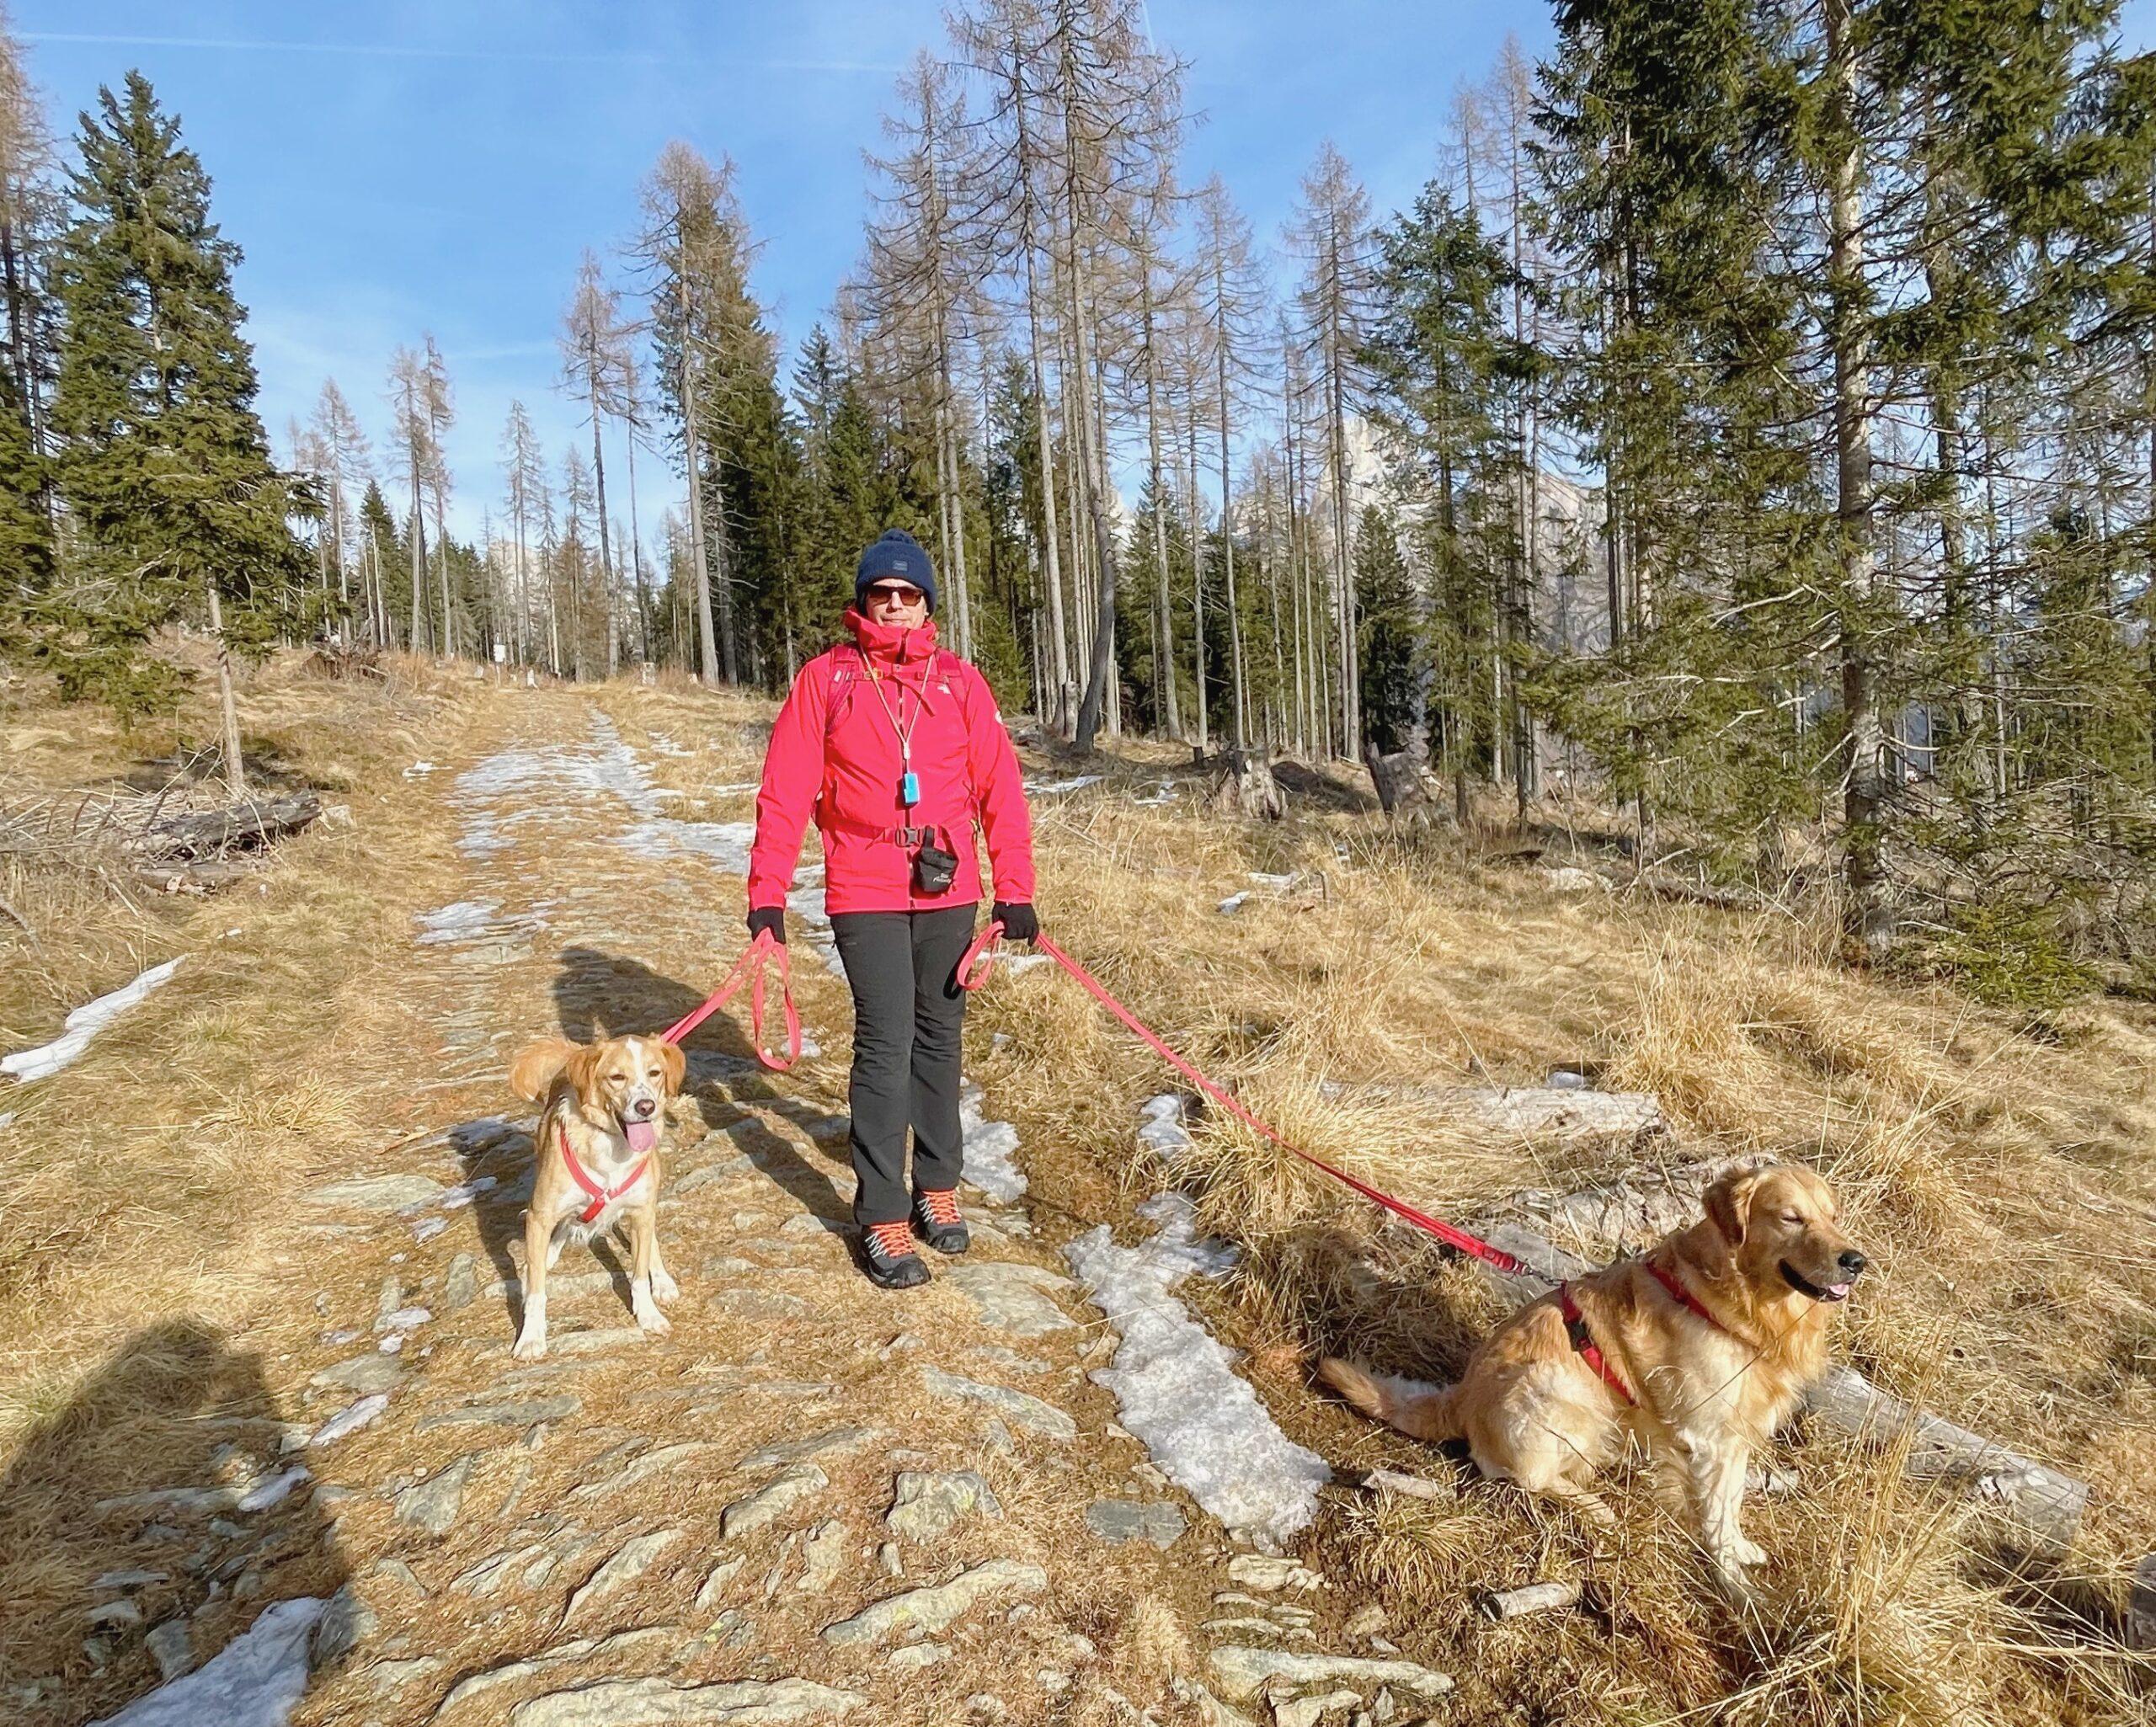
{"x": 1243, "y": 785}
{"x": 1403, "y": 793}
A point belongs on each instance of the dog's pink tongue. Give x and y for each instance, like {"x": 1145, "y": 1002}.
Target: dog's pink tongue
{"x": 643, "y": 1135}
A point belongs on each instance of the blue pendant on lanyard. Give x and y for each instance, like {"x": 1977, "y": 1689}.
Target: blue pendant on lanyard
{"x": 908, "y": 781}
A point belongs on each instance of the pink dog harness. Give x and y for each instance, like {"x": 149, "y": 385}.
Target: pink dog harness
{"x": 601, "y": 1197}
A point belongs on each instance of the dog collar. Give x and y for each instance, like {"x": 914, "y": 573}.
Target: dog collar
{"x": 1679, "y": 1294}
{"x": 1583, "y": 1344}
{"x": 601, "y": 1197}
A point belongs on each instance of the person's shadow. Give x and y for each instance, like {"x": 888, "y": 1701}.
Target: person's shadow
{"x": 147, "y": 1522}
{"x": 599, "y": 995}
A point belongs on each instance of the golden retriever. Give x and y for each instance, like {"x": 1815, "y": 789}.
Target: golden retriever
{"x": 1700, "y": 1383}
{"x": 599, "y": 1165}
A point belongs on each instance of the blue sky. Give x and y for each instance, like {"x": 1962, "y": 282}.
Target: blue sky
{"x": 397, "y": 167}
{"x": 392, "y": 169}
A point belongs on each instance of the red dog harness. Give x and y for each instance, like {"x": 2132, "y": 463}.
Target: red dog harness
{"x": 601, "y": 1197}
{"x": 1583, "y": 1340}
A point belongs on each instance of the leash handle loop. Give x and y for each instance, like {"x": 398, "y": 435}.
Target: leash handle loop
{"x": 979, "y": 960}
{"x": 750, "y": 969}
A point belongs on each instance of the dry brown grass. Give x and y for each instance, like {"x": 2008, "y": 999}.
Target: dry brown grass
{"x": 2000, "y": 1174}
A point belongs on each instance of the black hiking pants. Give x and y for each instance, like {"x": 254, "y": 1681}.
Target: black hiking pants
{"x": 908, "y": 1012}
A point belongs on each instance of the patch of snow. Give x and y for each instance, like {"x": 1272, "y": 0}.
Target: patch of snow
{"x": 276, "y": 1489}
{"x": 1233, "y": 903}
{"x": 1160, "y": 1127}
{"x": 1175, "y": 1388}
{"x": 419, "y": 768}
{"x": 1164, "y": 792}
{"x": 988, "y": 1147}
{"x": 465, "y": 1192}
{"x": 726, "y": 843}
{"x": 733, "y": 787}
{"x": 1279, "y": 884}
{"x": 253, "y": 1682}
{"x": 367, "y": 1409}
{"x": 82, "y": 1025}
{"x": 461, "y": 920}
{"x": 1050, "y": 788}
{"x": 391, "y": 1344}
{"x": 428, "y": 1228}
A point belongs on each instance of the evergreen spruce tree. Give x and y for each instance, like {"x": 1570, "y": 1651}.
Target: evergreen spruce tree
{"x": 27, "y": 556}
{"x": 384, "y": 556}
{"x": 164, "y": 462}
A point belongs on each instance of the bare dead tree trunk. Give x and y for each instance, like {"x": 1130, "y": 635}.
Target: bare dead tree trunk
{"x": 1864, "y": 798}
{"x": 227, "y": 702}
{"x": 1164, "y": 658}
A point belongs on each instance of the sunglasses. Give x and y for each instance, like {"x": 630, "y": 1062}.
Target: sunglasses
{"x": 886, "y": 594}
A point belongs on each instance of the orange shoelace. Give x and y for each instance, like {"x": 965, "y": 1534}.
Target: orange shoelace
{"x": 893, "y": 1240}
{"x": 942, "y": 1205}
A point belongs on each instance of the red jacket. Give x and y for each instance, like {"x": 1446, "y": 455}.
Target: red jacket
{"x": 834, "y": 753}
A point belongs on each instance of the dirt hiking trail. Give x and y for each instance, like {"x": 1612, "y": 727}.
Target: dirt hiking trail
{"x": 813, "y": 1500}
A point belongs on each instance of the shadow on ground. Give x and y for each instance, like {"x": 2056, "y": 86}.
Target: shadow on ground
{"x": 600, "y": 994}
{"x": 129, "y": 1494}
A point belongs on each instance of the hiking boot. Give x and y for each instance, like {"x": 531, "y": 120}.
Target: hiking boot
{"x": 887, "y": 1255}
{"x": 936, "y": 1221}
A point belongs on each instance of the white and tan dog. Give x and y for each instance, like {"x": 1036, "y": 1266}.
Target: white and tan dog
{"x": 598, "y": 1164}
{"x": 1699, "y": 1350}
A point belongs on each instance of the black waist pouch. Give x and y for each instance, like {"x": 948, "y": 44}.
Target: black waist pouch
{"x": 934, "y": 869}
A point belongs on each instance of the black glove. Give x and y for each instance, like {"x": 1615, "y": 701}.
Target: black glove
{"x": 771, "y": 918}
{"x": 1018, "y": 921}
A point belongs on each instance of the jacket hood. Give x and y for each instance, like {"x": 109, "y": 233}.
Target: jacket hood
{"x": 890, "y": 645}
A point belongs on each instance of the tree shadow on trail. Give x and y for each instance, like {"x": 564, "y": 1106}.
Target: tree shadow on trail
{"x": 137, "y": 1480}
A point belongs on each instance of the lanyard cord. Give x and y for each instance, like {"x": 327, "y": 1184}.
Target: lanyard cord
{"x": 904, "y": 734}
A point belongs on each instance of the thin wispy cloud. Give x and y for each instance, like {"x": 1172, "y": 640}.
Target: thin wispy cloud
{"x": 401, "y": 50}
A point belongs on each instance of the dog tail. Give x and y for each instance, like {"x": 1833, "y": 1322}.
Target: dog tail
{"x": 532, "y": 1075}
{"x": 1417, "y": 1408}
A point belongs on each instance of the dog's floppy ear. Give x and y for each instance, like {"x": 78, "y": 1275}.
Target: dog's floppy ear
{"x": 532, "y": 1075}
{"x": 1729, "y": 1203}
{"x": 675, "y": 1060}
{"x": 583, "y": 1069}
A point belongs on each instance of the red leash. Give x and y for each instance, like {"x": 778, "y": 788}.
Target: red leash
{"x": 750, "y": 969}
{"x": 972, "y": 972}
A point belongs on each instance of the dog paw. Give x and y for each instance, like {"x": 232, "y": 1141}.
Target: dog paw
{"x": 1747, "y": 1552}
{"x": 663, "y": 1287}
{"x": 529, "y": 1349}
{"x": 654, "y": 1323}
{"x": 1736, "y": 1588}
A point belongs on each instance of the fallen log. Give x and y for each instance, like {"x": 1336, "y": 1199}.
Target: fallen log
{"x": 244, "y": 827}
{"x": 1534, "y": 1598}
{"x": 2044, "y": 1505}
{"x": 1414, "y": 1486}
{"x": 199, "y": 874}
{"x": 1684, "y": 893}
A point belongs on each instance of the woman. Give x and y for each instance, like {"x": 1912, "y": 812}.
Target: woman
{"x": 896, "y": 747}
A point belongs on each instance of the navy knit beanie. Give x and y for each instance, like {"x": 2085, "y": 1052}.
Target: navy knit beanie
{"x": 897, "y": 557}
